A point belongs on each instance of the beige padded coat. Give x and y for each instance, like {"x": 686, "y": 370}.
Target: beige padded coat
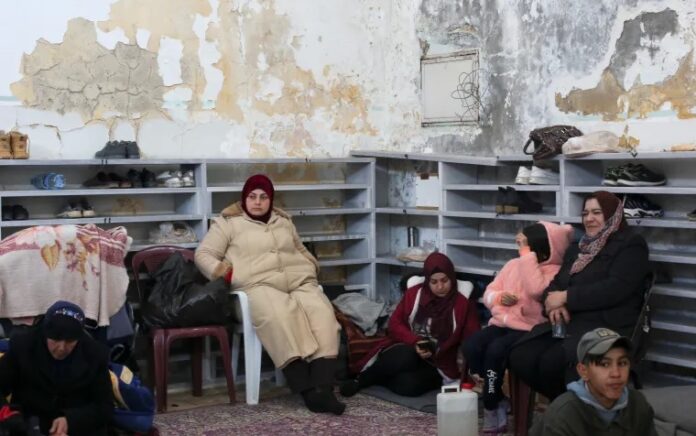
{"x": 291, "y": 315}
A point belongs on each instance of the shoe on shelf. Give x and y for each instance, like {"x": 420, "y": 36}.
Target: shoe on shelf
{"x": 639, "y": 175}
{"x": 5, "y": 147}
{"x": 170, "y": 179}
{"x": 19, "y": 213}
{"x": 48, "y": 181}
{"x": 177, "y": 232}
{"x": 188, "y": 179}
{"x": 20, "y": 145}
{"x": 637, "y": 206}
{"x": 148, "y": 178}
{"x": 86, "y": 208}
{"x": 101, "y": 180}
{"x": 134, "y": 177}
{"x": 541, "y": 176}
{"x": 70, "y": 210}
{"x": 7, "y": 213}
{"x": 112, "y": 150}
{"x": 523, "y": 176}
{"x": 501, "y": 199}
{"x": 132, "y": 150}
{"x": 691, "y": 215}
{"x": 120, "y": 182}
{"x": 611, "y": 174}
{"x": 520, "y": 202}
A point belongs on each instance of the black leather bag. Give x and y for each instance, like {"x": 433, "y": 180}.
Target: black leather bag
{"x": 548, "y": 141}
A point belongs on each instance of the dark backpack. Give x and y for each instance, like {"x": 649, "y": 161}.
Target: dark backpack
{"x": 548, "y": 141}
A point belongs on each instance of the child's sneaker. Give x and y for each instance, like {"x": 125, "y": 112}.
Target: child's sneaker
{"x": 71, "y": 210}
{"x": 490, "y": 422}
{"x": 188, "y": 179}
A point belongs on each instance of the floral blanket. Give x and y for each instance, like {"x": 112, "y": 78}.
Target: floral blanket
{"x": 81, "y": 264}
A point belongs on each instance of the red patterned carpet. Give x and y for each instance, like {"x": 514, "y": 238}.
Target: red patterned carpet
{"x": 365, "y": 415}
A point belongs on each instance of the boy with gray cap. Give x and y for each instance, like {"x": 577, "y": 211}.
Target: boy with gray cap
{"x": 600, "y": 403}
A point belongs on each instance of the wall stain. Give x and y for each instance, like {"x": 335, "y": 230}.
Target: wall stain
{"x": 613, "y": 103}
{"x": 80, "y": 75}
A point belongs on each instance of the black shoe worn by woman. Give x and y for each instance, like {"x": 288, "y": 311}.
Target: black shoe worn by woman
{"x": 349, "y": 388}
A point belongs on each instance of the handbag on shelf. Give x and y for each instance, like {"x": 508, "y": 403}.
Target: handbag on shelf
{"x": 548, "y": 141}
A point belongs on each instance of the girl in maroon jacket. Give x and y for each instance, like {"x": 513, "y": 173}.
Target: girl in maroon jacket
{"x": 425, "y": 332}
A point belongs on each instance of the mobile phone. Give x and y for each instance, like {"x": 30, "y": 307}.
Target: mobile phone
{"x": 426, "y": 345}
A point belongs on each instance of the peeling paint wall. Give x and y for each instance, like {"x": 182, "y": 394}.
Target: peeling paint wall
{"x": 621, "y": 65}
{"x": 263, "y": 78}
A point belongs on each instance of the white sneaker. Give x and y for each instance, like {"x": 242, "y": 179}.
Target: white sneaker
{"x": 523, "y": 176}
{"x": 170, "y": 179}
{"x": 188, "y": 179}
{"x": 540, "y": 176}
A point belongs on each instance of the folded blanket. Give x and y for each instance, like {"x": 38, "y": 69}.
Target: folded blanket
{"x": 81, "y": 264}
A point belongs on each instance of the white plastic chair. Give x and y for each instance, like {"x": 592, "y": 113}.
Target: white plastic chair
{"x": 252, "y": 352}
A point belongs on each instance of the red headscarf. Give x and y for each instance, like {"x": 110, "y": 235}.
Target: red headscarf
{"x": 437, "y": 309}
{"x": 258, "y": 181}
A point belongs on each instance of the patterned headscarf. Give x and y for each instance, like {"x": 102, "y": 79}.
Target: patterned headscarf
{"x": 434, "y": 311}
{"x": 258, "y": 181}
{"x": 590, "y": 246}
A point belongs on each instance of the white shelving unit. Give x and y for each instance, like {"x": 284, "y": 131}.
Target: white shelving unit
{"x": 479, "y": 241}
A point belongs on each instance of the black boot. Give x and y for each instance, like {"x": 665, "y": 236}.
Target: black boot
{"x": 322, "y": 372}
{"x": 297, "y": 375}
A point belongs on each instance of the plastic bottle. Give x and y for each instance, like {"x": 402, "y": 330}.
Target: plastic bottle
{"x": 457, "y": 411}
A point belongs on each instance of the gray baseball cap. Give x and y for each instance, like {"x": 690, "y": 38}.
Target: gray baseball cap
{"x": 598, "y": 341}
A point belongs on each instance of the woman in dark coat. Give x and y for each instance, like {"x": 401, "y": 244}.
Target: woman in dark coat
{"x": 57, "y": 373}
{"x": 600, "y": 284}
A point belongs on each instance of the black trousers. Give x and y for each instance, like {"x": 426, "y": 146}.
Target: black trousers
{"x": 541, "y": 362}
{"x": 401, "y": 370}
{"x": 486, "y": 352}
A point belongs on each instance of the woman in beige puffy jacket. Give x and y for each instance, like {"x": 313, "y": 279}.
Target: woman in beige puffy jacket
{"x": 292, "y": 317}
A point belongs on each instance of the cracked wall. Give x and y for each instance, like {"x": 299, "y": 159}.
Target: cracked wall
{"x": 262, "y": 78}
{"x": 621, "y": 65}
{"x": 204, "y": 78}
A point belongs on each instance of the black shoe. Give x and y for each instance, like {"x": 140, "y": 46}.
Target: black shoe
{"x": 19, "y": 213}
{"x": 612, "y": 174}
{"x": 112, "y": 150}
{"x": 639, "y": 175}
{"x": 100, "y": 181}
{"x": 349, "y": 388}
{"x": 134, "y": 178}
{"x": 7, "y": 213}
{"x": 132, "y": 150}
{"x": 637, "y": 206}
{"x": 148, "y": 179}
{"x": 321, "y": 400}
{"x": 500, "y": 200}
{"x": 526, "y": 205}
{"x": 120, "y": 182}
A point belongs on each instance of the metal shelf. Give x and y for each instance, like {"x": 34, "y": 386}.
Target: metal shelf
{"x": 289, "y": 188}
{"x": 476, "y": 187}
{"x": 86, "y": 192}
{"x": 101, "y": 220}
{"x": 407, "y": 211}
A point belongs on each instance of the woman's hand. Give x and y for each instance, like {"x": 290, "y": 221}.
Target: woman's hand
{"x": 508, "y": 299}
{"x": 59, "y": 427}
{"x": 559, "y": 315}
{"x": 555, "y": 300}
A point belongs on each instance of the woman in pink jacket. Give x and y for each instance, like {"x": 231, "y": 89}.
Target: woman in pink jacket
{"x": 514, "y": 300}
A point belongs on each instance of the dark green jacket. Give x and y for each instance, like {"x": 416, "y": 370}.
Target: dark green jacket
{"x": 569, "y": 416}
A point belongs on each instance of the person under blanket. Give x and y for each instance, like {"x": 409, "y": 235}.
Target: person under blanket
{"x": 57, "y": 374}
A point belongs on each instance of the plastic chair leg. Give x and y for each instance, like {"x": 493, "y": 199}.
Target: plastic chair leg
{"x": 279, "y": 377}
{"x": 224, "y": 342}
{"x": 252, "y": 351}
{"x": 197, "y": 367}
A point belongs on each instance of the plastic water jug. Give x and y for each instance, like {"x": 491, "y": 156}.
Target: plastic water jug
{"x": 457, "y": 411}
